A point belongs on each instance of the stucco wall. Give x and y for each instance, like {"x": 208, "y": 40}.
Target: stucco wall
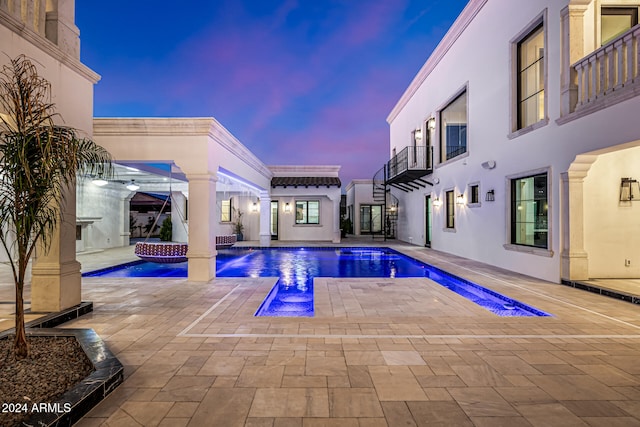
{"x": 480, "y": 60}
{"x": 612, "y": 228}
{"x": 288, "y": 230}
{"x": 100, "y": 211}
{"x": 359, "y": 192}
{"x": 71, "y": 82}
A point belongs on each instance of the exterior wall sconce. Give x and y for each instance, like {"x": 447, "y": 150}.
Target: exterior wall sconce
{"x": 132, "y": 186}
{"x": 629, "y": 190}
{"x": 287, "y": 208}
{"x": 489, "y": 164}
{"x": 393, "y": 208}
{"x": 100, "y": 181}
{"x": 418, "y": 134}
{"x": 254, "y": 207}
{"x": 460, "y": 199}
{"x": 491, "y": 196}
{"x": 437, "y": 202}
{"x": 431, "y": 123}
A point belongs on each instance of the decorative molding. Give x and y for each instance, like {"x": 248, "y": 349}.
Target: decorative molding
{"x": 304, "y": 170}
{"x": 152, "y": 126}
{"x": 523, "y": 131}
{"x": 461, "y": 23}
{"x": 547, "y": 253}
{"x": 609, "y": 100}
{"x": 47, "y": 46}
{"x": 225, "y": 139}
{"x": 192, "y": 126}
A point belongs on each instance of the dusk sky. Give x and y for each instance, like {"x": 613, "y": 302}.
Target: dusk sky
{"x": 296, "y": 81}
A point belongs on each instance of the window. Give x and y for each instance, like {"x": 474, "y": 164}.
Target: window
{"x": 451, "y": 209}
{"x": 453, "y": 128}
{"x": 529, "y": 211}
{"x": 530, "y": 78}
{"x": 416, "y": 138}
{"x": 225, "y": 211}
{"x": 616, "y": 20}
{"x": 308, "y": 212}
{"x": 474, "y": 194}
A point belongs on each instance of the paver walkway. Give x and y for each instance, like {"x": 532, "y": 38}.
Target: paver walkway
{"x": 396, "y": 352}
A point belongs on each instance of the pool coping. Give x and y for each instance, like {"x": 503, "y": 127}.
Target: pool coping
{"x": 523, "y": 306}
{"x": 611, "y": 293}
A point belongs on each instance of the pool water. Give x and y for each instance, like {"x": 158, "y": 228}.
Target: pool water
{"x": 292, "y": 294}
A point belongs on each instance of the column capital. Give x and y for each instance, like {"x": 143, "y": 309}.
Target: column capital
{"x": 209, "y": 176}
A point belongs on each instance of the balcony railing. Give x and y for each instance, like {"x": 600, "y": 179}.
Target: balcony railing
{"x": 609, "y": 69}
{"x": 412, "y": 162}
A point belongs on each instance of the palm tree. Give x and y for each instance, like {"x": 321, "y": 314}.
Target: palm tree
{"x": 39, "y": 162}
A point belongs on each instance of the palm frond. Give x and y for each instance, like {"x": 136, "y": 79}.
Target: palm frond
{"x": 39, "y": 162}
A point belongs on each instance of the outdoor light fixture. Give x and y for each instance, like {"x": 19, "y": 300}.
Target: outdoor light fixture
{"x": 489, "y": 164}
{"x": 460, "y": 199}
{"x": 393, "y": 208}
{"x": 418, "y": 134}
{"x": 491, "y": 196}
{"x": 254, "y": 207}
{"x": 99, "y": 181}
{"x": 287, "y": 208}
{"x": 132, "y": 186}
{"x": 629, "y": 190}
{"x": 437, "y": 202}
{"x": 431, "y": 123}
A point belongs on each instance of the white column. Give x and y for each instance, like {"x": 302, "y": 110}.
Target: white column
{"x": 56, "y": 280}
{"x": 336, "y": 219}
{"x": 125, "y": 228}
{"x": 202, "y": 227}
{"x": 572, "y": 49}
{"x": 265, "y": 219}
{"x": 575, "y": 261}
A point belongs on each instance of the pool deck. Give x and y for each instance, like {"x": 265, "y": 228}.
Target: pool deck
{"x": 378, "y": 352}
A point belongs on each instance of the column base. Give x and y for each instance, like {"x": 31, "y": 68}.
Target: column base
{"x": 575, "y": 266}
{"x": 55, "y": 287}
{"x": 201, "y": 268}
{"x": 265, "y": 240}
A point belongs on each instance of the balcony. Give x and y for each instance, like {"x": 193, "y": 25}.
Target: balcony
{"x": 406, "y": 169}
{"x": 608, "y": 75}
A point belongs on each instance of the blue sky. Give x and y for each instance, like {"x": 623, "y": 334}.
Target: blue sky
{"x": 296, "y": 81}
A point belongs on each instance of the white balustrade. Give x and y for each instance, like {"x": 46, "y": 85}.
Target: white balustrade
{"x": 611, "y": 68}
{"x": 32, "y": 13}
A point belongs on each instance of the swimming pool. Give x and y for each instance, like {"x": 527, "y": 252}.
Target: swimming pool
{"x": 296, "y": 267}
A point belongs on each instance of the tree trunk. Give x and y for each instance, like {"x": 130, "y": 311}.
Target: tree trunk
{"x": 20, "y": 345}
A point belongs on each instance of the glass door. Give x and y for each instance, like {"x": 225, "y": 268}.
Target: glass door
{"x": 427, "y": 218}
{"x": 370, "y": 219}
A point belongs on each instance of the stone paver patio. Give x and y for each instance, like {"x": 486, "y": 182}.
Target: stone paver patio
{"x": 378, "y": 352}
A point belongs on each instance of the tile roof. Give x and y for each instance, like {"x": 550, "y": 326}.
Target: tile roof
{"x": 305, "y": 181}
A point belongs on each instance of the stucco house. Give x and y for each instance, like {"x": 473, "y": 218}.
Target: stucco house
{"x": 517, "y": 143}
{"x": 210, "y": 175}
{"x": 45, "y": 32}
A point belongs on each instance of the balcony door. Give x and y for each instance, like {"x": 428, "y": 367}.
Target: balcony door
{"x": 615, "y": 21}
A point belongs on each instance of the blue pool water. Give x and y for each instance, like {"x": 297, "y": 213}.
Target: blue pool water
{"x": 296, "y": 267}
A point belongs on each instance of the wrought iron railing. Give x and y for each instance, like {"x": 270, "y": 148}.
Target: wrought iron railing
{"x": 418, "y": 158}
